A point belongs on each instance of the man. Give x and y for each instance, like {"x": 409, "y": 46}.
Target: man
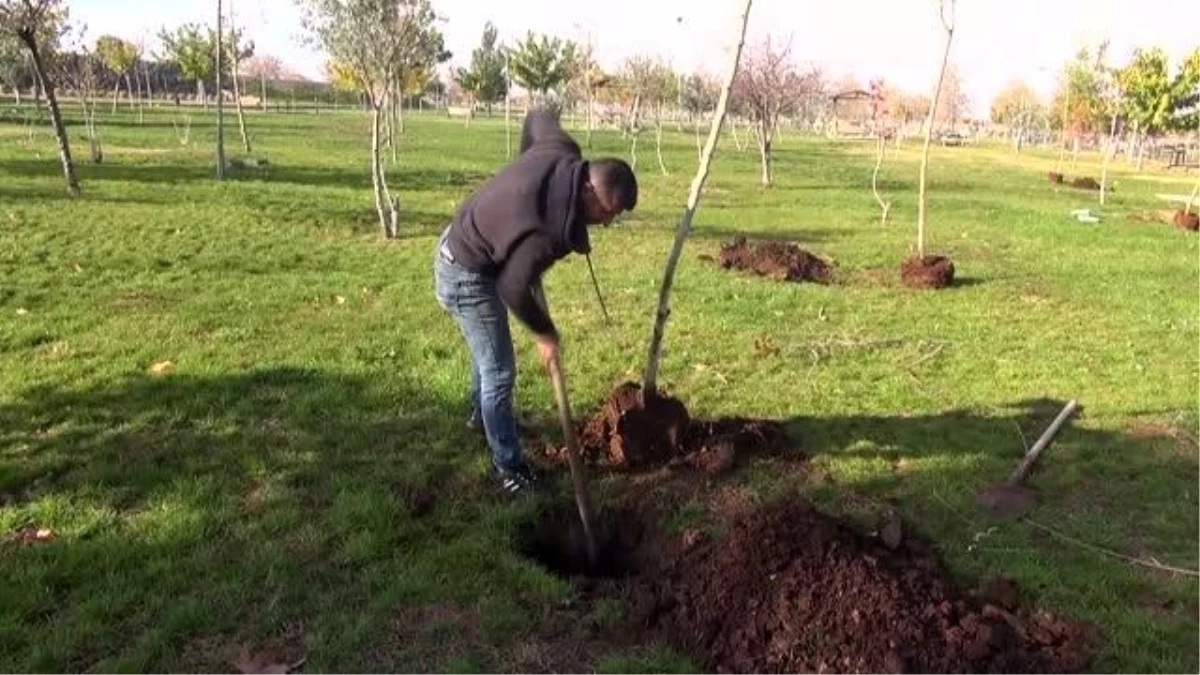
{"x": 492, "y": 257}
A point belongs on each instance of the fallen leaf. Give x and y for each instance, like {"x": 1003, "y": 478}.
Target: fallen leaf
{"x": 161, "y": 367}
{"x": 245, "y": 663}
{"x": 337, "y": 299}
{"x": 21, "y": 311}
{"x": 34, "y": 535}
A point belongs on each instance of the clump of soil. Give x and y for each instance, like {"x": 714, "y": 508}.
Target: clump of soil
{"x": 778, "y": 260}
{"x": 1085, "y": 184}
{"x": 789, "y": 589}
{"x": 629, "y": 433}
{"x": 1056, "y": 177}
{"x": 928, "y": 272}
{"x": 1186, "y": 220}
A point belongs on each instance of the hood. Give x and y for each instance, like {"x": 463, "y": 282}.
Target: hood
{"x": 563, "y": 216}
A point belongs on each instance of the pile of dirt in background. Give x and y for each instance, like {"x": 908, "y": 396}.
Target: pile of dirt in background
{"x": 778, "y": 260}
{"x": 932, "y": 271}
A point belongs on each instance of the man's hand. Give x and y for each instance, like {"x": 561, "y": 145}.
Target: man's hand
{"x": 547, "y": 347}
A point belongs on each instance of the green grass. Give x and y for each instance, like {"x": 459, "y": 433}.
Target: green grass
{"x": 257, "y": 494}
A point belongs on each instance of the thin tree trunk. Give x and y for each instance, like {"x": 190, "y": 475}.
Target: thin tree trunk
{"x": 737, "y": 142}
{"x": 1108, "y": 152}
{"x": 937, "y": 92}
{"x": 149, "y": 91}
{"x": 764, "y": 150}
{"x": 650, "y": 377}
{"x": 116, "y": 94}
{"x": 634, "y": 130}
{"x": 1062, "y": 146}
{"x": 696, "y": 133}
{"x": 237, "y": 90}
{"x": 587, "y": 85}
{"x": 884, "y": 207}
{"x": 1074, "y": 153}
{"x": 60, "y": 129}
{"x": 220, "y": 102}
{"x": 658, "y": 143}
{"x": 1131, "y": 146}
{"x": 17, "y": 91}
{"x": 376, "y": 185}
{"x": 1141, "y": 150}
{"x": 263, "y": 81}
{"x": 1187, "y": 206}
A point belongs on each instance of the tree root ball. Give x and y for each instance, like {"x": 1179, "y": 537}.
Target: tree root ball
{"x": 1056, "y": 177}
{"x": 632, "y": 430}
{"x": 1085, "y": 184}
{"x": 928, "y": 272}
{"x": 1186, "y": 220}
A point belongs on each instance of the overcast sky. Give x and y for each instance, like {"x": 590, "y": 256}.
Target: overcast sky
{"x": 996, "y": 41}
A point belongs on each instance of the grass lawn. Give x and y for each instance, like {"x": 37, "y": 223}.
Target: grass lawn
{"x": 263, "y": 490}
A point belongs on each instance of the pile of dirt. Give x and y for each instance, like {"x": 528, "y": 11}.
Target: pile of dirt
{"x": 1186, "y": 220}
{"x": 627, "y": 433}
{"x": 789, "y": 589}
{"x": 929, "y": 272}
{"x": 778, "y": 260}
{"x": 1085, "y": 183}
{"x": 1056, "y": 177}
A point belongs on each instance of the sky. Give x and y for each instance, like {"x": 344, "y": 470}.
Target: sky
{"x": 995, "y": 41}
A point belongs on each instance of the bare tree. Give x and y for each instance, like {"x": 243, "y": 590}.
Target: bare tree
{"x": 38, "y": 24}
{"x": 767, "y": 86}
{"x": 650, "y": 377}
{"x": 235, "y": 57}
{"x": 946, "y": 9}
{"x": 82, "y": 76}
{"x": 220, "y": 101}
{"x": 879, "y": 127}
{"x": 264, "y": 68}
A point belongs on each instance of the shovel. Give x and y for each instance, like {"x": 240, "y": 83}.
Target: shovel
{"x": 1011, "y": 500}
{"x": 582, "y": 498}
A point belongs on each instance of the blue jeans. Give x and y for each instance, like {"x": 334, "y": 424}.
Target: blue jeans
{"x": 472, "y": 300}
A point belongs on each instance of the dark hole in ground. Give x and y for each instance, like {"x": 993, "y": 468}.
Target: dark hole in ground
{"x": 553, "y": 537}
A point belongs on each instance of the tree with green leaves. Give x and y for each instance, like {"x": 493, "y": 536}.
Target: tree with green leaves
{"x": 1019, "y": 108}
{"x": 1185, "y": 95}
{"x": 39, "y": 25}
{"x": 1146, "y": 94}
{"x": 191, "y": 48}
{"x": 542, "y": 64}
{"x": 484, "y": 80}
{"x": 1079, "y": 103}
{"x": 120, "y": 58}
{"x": 378, "y": 42}
{"x": 14, "y": 63}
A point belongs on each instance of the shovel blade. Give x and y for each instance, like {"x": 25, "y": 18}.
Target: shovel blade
{"x": 1007, "y": 502}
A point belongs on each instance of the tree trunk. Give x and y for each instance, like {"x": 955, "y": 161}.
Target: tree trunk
{"x": 384, "y": 205}
{"x": 149, "y": 91}
{"x": 263, "y": 81}
{"x": 937, "y": 92}
{"x": 884, "y": 207}
{"x": 17, "y": 92}
{"x": 1187, "y": 206}
{"x": 587, "y": 85}
{"x": 650, "y": 377}
{"x": 1074, "y": 153}
{"x": 220, "y": 102}
{"x": 764, "y": 150}
{"x": 1108, "y": 152}
{"x": 1141, "y": 150}
{"x": 1062, "y": 146}
{"x": 237, "y": 90}
{"x": 696, "y": 133}
{"x": 60, "y": 130}
{"x": 658, "y": 143}
{"x": 116, "y": 94}
{"x": 634, "y": 130}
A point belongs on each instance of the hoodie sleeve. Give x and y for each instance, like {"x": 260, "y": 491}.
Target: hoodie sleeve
{"x": 519, "y": 283}
{"x": 541, "y": 126}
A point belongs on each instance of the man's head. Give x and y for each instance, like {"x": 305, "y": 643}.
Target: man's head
{"x": 609, "y": 189}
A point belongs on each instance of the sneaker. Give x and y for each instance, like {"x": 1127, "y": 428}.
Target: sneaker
{"x": 517, "y": 483}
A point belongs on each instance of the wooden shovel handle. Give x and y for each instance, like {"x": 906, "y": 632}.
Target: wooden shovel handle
{"x": 1022, "y": 470}
{"x": 582, "y": 497}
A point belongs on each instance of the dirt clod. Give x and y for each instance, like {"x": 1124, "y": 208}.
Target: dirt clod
{"x": 928, "y": 272}
{"x": 778, "y": 260}
{"x": 1187, "y": 221}
{"x": 792, "y": 590}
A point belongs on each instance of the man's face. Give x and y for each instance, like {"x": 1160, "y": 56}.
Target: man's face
{"x": 596, "y": 209}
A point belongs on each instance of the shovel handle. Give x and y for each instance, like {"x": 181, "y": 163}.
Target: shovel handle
{"x": 582, "y": 497}
{"x": 1022, "y": 470}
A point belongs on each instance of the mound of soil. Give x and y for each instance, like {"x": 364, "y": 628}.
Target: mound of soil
{"x": 1085, "y": 184}
{"x": 1187, "y": 221}
{"x": 778, "y": 260}
{"x": 789, "y": 589}
{"x": 627, "y": 433}
{"x": 1056, "y": 177}
{"x": 929, "y": 272}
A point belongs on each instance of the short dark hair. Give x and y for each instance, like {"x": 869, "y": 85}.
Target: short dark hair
{"x": 613, "y": 178}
